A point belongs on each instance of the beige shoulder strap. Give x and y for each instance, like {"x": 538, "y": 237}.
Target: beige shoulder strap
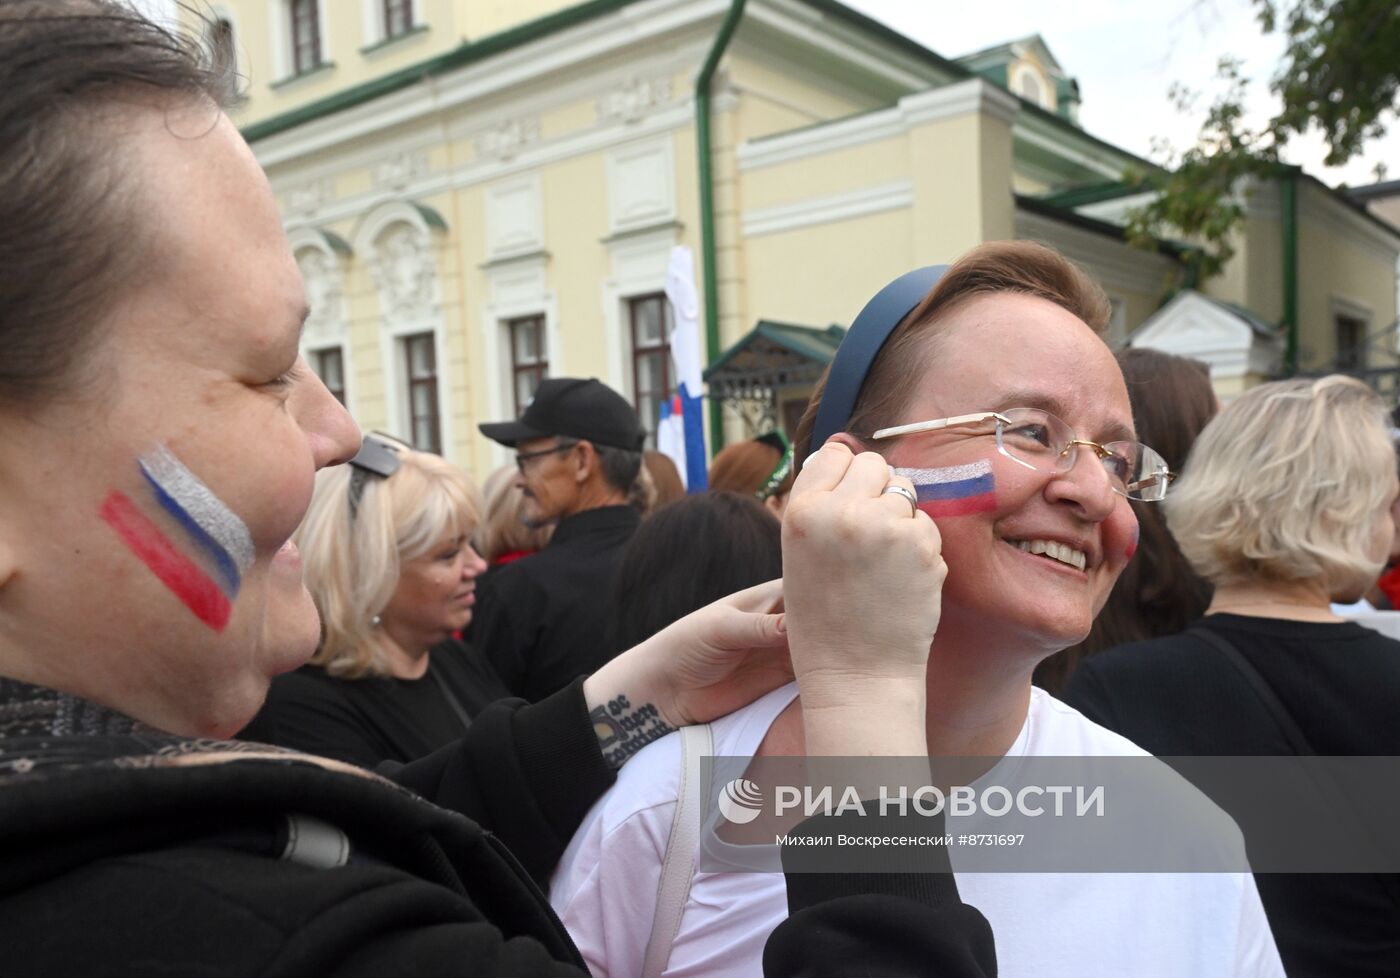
{"x": 678, "y": 868}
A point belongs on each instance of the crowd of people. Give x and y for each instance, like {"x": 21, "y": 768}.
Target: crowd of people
{"x": 281, "y": 698}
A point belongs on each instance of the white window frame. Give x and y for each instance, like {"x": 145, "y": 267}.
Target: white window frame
{"x": 372, "y": 21}
{"x": 279, "y": 15}
{"x": 639, "y": 268}
{"x": 335, "y": 333}
{"x": 516, "y": 289}
{"x": 393, "y": 329}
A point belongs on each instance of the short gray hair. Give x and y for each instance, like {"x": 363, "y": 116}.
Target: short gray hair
{"x": 619, "y": 465}
{"x": 1287, "y": 483}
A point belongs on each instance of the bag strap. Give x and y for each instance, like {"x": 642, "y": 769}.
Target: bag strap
{"x": 678, "y": 868}
{"x": 1272, "y": 704}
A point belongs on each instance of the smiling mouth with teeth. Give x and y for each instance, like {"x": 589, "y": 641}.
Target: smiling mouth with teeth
{"x": 1062, "y": 552}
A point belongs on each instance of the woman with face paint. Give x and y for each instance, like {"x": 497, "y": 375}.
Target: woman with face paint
{"x": 988, "y": 387}
{"x": 160, "y": 436}
{"x": 389, "y": 560}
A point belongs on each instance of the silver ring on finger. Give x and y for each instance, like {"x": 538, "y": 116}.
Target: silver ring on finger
{"x": 901, "y": 491}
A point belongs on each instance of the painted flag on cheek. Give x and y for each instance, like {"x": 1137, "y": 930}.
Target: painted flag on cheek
{"x": 181, "y": 576}
{"x": 956, "y": 490}
{"x": 216, "y": 533}
{"x": 1133, "y": 543}
{"x": 207, "y": 579}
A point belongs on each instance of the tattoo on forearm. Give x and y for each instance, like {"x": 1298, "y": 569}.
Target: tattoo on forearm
{"x": 623, "y": 729}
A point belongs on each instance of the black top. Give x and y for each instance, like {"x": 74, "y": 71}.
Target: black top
{"x": 1340, "y": 681}
{"x": 118, "y": 859}
{"x": 366, "y": 721}
{"x": 542, "y": 620}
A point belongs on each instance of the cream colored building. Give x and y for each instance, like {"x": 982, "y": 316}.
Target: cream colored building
{"x": 483, "y": 193}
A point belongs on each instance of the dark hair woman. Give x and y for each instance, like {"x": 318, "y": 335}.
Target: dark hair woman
{"x": 1158, "y": 593}
{"x": 689, "y": 554}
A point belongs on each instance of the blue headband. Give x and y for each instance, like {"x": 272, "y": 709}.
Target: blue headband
{"x": 862, "y": 344}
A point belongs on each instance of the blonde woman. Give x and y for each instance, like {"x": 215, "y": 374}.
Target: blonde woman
{"x": 1285, "y": 506}
{"x": 388, "y": 563}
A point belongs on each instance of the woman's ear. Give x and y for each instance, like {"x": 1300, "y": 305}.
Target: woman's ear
{"x": 850, "y": 441}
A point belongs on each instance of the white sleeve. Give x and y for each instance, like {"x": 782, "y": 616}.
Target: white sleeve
{"x": 1256, "y": 955}
{"x": 605, "y": 888}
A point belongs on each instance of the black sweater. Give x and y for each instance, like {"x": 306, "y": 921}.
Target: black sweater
{"x": 1341, "y": 682}
{"x": 374, "y": 719}
{"x": 127, "y": 852}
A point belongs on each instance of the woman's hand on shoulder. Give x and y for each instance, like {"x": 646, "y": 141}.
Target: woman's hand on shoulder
{"x": 709, "y": 663}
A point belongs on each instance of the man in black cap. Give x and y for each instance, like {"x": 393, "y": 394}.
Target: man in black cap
{"x": 543, "y": 620}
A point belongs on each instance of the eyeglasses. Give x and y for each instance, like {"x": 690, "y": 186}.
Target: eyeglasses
{"x": 1039, "y": 440}
{"x": 522, "y": 457}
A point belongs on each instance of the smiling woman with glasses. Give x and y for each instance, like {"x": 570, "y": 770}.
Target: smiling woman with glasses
{"x": 981, "y": 400}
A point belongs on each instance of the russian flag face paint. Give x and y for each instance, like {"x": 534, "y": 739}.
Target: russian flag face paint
{"x": 219, "y": 539}
{"x": 208, "y": 523}
{"x": 1133, "y": 543}
{"x": 177, "y": 572}
{"x": 957, "y": 490}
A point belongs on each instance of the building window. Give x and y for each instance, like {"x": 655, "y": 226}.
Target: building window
{"x": 529, "y": 361}
{"x": 1351, "y": 343}
{"x": 306, "y": 35}
{"x": 420, "y": 362}
{"x": 221, "y": 47}
{"x": 329, "y": 365}
{"x": 1030, "y": 87}
{"x": 650, "y": 318}
{"x": 398, "y": 17}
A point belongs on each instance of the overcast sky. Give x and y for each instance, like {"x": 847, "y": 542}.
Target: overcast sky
{"x": 1126, "y": 54}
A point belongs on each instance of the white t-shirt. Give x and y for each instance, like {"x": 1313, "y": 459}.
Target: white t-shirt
{"x": 1047, "y": 925}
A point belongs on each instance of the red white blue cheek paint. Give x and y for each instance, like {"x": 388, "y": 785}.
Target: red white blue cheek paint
{"x": 1133, "y": 543}
{"x": 956, "y": 490}
{"x": 182, "y": 576}
{"x": 207, "y": 583}
{"x": 208, "y": 524}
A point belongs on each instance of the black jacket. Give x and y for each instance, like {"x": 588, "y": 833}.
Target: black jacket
{"x": 1178, "y": 695}
{"x": 126, "y": 852}
{"x": 542, "y": 620}
{"x": 377, "y": 718}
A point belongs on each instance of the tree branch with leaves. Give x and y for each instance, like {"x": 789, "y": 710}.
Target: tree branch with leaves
{"x": 1340, "y": 73}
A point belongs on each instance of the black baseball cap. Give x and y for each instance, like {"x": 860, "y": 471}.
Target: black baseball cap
{"x": 575, "y": 408}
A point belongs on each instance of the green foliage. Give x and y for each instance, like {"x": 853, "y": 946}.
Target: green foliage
{"x": 1340, "y": 72}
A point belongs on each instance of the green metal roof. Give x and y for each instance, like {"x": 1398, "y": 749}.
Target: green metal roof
{"x": 1090, "y": 194}
{"x": 1252, "y": 319}
{"x": 772, "y": 346}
